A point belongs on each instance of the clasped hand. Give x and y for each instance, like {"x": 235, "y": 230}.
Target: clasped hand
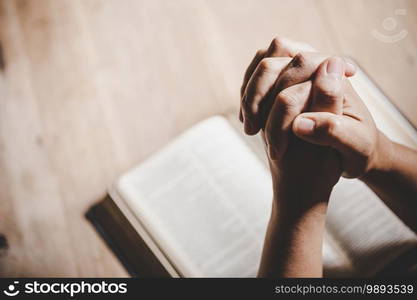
{"x": 314, "y": 124}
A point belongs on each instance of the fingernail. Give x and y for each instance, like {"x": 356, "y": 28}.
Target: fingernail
{"x": 335, "y": 67}
{"x": 272, "y": 153}
{"x": 304, "y": 126}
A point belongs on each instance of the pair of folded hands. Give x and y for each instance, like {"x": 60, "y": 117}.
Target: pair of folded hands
{"x": 314, "y": 124}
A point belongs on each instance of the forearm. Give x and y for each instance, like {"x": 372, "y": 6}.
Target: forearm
{"x": 394, "y": 180}
{"x": 293, "y": 242}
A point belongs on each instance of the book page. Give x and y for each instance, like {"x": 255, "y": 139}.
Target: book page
{"x": 369, "y": 232}
{"x": 336, "y": 262}
{"x": 386, "y": 116}
{"x": 205, "y": 199}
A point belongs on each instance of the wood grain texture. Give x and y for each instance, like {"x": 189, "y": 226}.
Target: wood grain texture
{"x": 90, "y": 88}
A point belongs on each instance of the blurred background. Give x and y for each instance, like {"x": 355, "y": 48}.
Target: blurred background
{"x": 90, "y": 88}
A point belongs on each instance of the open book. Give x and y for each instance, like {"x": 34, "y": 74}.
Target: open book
{"x": 199, "y": 207}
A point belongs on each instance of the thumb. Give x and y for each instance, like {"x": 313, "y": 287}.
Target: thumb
{"x": 327, "y": 129}
{"x": 328, "y": 85}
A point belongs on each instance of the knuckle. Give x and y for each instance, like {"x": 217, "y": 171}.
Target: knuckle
{"x": 266, "y": 64}
{"x": 300, "y": 60}
{"x": 287, "y": 99}
{"x": 333, "y": 128}
{"x": 277, "y": 43}
{"x": 327, "y": 93}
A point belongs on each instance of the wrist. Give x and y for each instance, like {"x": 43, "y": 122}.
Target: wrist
{"x": 296, "y": 201}
{"x": 293, "y": 245}
{"x": 299, "y": 225}
{"x": 381, "y": 160}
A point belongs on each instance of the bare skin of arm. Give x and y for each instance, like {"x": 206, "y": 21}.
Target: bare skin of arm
{"x": 394, "y": 180}
{"x": 294, "y": 237}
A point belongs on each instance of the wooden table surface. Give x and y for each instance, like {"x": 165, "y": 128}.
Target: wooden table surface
{"x": 90, "y": 88}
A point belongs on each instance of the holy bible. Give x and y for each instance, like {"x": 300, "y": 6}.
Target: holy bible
{"x": 199, "y": 207}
